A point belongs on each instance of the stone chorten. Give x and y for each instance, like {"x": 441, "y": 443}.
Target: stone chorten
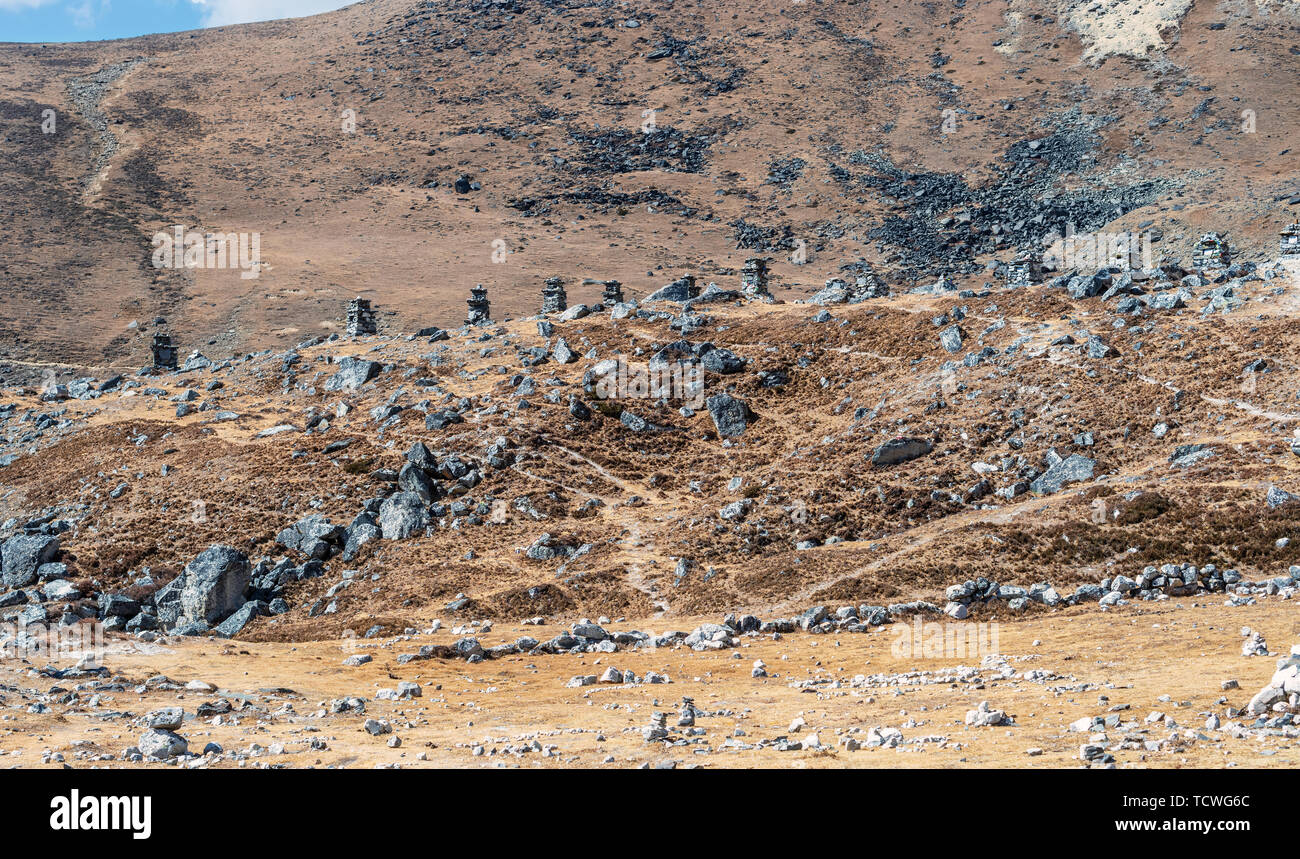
{"x": 753, "y": 279}
{"x": 554, "y": 298}
{"x": 164, "y": 353}
{"x": 1289, "y": 245}
{"x": 361, "y": 318}
{"x": 688, "y": 282}
{"x": 1211, "y": 252}
{"x": 1025, "y": 270}
{"x": 612, "y": 294}
{"x": 480, "y": 309}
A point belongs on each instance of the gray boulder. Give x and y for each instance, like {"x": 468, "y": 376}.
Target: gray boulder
{"x": 1275, "y": 498}
{"x": 362, "y": 530}
{"x": 898, "y": 450}
{"x": 352, "y": 374}
{"x": 633, "y": 421}
{"x": 402, "y": 515}
{"x": 1098, "y": 348}
{"x": 730, "y": 416}
{"x": 1081, "y": 286}
{"x": 1072, "y": 469}
{"x": 678, "y": 290}
{"x": 162, "y": 745}
{"x": 562, "y": 353}
{"x": 166, "y": 719}
{"x": 951, "y": 338}
{"x": 231, "y": 626}
{"x": 214, "y": 585}
{"x": 722, "y": 362}
{"x": 412, "y": 479}
{"x": 21, "y": 556}
{"x": 1169, "y": 300}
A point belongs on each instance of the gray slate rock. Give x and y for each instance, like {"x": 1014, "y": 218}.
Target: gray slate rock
{"x": 1072, "y": 469}
{"x": 214, "y": 584}
{"x": 352, "y": 374}
{"x": 162, "y": 745}
{"x": 731, "y": 416}
{"x": 22, "y": 556}
{"x": 898, "y": 450}
{"x": 402, "y": 515}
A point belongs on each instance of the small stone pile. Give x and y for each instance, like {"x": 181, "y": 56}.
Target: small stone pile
{"x": 160, "y": 742}
{"x": 984, "y": 716}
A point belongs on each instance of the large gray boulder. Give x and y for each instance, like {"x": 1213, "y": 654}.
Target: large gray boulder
{"x": 231, "y": 626}
{"x": 161, "y": 745}
{"x": 951, "y": 338}
{"x": 166, "y": 719}
{"x": 1072, "y": 469}
{"x": 352, "y": 374}
{"x": 1169, "y": 300}
{"x": 1081, "y": 286}
{"x": 413, "y": 479}
{"x": 730, "y": 416}
{"x": 722, "y": 361}
{"x": 898, "y": 450}
{"x": 363, "y": 529}
{"x": 678, "y": 290}
{"x": 214, "y": 584}
{"x": 1098, "y": 348}
{"x": 563, "y": 353}
{"x": 402, "y": 515}
{"x": 21, "y": 556}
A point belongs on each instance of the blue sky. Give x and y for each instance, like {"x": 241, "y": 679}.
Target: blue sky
{"x": 90, "y": 20}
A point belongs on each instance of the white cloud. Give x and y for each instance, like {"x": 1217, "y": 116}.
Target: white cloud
{"x": 83, "y": 16}
{"x": 217, "y": 13}
{"x": 15, "y": 5}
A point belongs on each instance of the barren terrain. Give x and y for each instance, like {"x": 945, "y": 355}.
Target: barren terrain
{"x": 1101, "y": 462}
{"x": 817, "y": 131}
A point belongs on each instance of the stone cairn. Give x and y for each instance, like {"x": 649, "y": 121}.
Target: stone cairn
{"x": 1290, "y": 242}
{"x": 1025, "y": 270}
{"x": 480, "y": 309}
{"x": 867, "y": 284}
{"x": 361, "y": 318}
{"x": 1211, "y": 252}
{"x": 687, "y": 282}
{"x": 612, "y": 294}
{"x": 554, "y": 298}
{"x": 164, "y": 353}
{"x": 753, "y": 279}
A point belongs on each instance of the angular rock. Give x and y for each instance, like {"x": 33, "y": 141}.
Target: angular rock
{"x": 22, "y": 556}
{"x": 352, "y": 374}
{"x": 214, "y": 584}
{"x": 731, "y": 416}
{"x": 899, "y": 450}
{"x": 402, "y": 515}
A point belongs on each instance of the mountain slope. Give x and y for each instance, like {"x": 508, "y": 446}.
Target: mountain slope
{"x": 776, "y": 127}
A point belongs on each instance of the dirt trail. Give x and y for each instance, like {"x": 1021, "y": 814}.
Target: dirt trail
{"x": 636, "y": 552}
{"x": 88, "y": 94}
